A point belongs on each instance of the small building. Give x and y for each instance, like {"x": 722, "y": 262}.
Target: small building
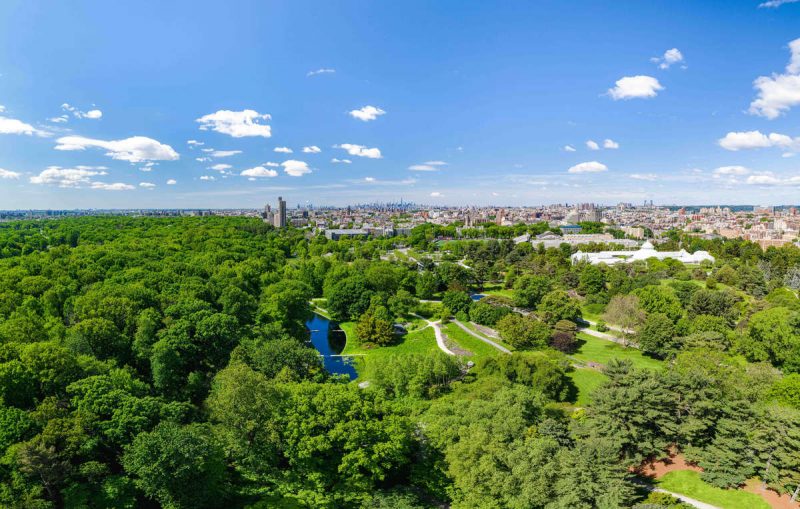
{"x": 350, "y": 233}
{"x": 570, "y": 228}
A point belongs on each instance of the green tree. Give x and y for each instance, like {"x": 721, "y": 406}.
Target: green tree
{"x": 529, "y": 290}
{"x": 657, "y": 335}
{"x": 523, "y": 331}
{"x": 178, "y": 466}
{"x": 557, "y": 305}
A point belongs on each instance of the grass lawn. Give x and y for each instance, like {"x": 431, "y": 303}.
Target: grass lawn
{"x": 592, "y": 312}
{"x": 586, "y": 380}
{"x": 687, "y": 482}
{"x": 497, "y": 290}
{"x": 499, "y": 341}
{"x": 601, "y": 351}
{"x": 467, "y": 342}
{"x": 419, "y": 341}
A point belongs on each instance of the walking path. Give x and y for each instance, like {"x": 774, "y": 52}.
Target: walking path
{"x": 687, "y": 500}
{"x": 485, "y": 340}
{"x": 438, "y": 332}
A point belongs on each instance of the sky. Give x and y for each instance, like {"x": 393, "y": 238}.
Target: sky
{"x": 193, "y": 104}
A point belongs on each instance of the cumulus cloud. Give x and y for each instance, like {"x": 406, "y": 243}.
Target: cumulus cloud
{"x": 220, "y": 167}
{"x": 767, "y": 179}
{"x": 171, "y": 182}
{"x": 295, "y": 168}
{"x": 341, "y": 161}
{"x": 360, "y": 150}
{"x": 780, "y": 92}
{"x": 731, "y": 170}
{"x": 135, "y": 149}
{"x": 195, "y": 143}
{"x": 367, "y": 113}
{"x": 610, "y": 144}
{"x": 283, "y": 150}
{"x": 756, "y": 139}
{"x": 274, "y": 165}
{"x": 207, "y": 177}
{"x": 147, "y": 166}
{"x": 644, "y": 176}
{"x": 436, "y": 194}
{"x": 569, "y": 148}
{"x": 588, "y": 167}
{"x": 369, "y": 179}
{"x": 671, "y": 56}
{"x": 238, "y": 124}
{"x": 14, "y": 126}
{"x": 635, "y": 87}
{"x": 323, "y": 70}
{"x": 592, "y": 145}
{"x": 91, "y": 114}
{"x": 147, "y": 185}
{"x": 58, "y": 120}
{"x": 313, "y": 149}
{"x": 79, "y": 176}
{"x": 8, "y": 174}
{"x": 259, "y": 171}
{"x": 428, "y": 166}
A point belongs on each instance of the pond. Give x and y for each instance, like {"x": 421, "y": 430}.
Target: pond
{"x": 329, "y": 340}
{"x": 477, "y": 296}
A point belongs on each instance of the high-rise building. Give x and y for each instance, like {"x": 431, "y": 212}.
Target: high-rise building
{"x": 280, "y": 214}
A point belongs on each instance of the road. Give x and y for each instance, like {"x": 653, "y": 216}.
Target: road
{"x": 485, "y": 340}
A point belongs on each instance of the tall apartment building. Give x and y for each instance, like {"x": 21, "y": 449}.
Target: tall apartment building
{"x": 280, "y": 214}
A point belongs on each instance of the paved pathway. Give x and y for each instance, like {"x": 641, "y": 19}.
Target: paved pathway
{"x": 485, "y": 340}
{"x": 687, "y": 500}
{"x": 437, "y": 330}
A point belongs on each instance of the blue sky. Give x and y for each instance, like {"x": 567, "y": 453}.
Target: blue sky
{"x": 440, "y": 102}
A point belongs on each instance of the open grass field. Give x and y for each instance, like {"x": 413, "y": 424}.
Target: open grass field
{"x": 464, "y": 340}
{"x": 499, "y": 341}
{"x": 586, "y": 380}
{"x": 602, "y": 351}
{"x": 419, "y": 341}
{"x": 498, "y": 290}
{"x": 687, "y": 482}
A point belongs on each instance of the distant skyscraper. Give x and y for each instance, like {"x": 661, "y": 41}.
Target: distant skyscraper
{"x": 280, "y": 215}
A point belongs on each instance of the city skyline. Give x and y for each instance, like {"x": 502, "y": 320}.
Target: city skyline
{"x": 442, "y": 104}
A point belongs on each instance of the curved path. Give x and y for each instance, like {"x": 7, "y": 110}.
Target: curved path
{"x": 485, "y": 340}
{"x": 687, "y": 500}
{"x": 438, "y": 332}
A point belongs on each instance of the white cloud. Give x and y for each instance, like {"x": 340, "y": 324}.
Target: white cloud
{"x": 2, "y": 108}
{"x": 437, "y": 194}
{"x": 731, "y": 170}
{"x": 274, "y": 165}
{"x": 776, "y": 3}
{"x": 588, "y": 167}
{"x": 369, "y": 179}
{"x": 222, "y": 153}
{"x": 58, "y": 120}
{"x": 436, "y": 163}
{"x": 360, "y": 150}
{"x": 202, "y": 159}
{"x": 220, "y": 167}
{"x": 259, "y": 171}
{"x": 14, "y": 126}
{"x": 8, "y": 174}
{"x": 632, "y": 87}
{"x": 91, "y": 114}
{"x": 644, "y": 176}
{"x": 323, "y": 70}
{"x": 238, "y": 124}
{"x": 768, "y": 179}
{"x": 147, "y": 185}
{"x": 295, "y": 168}
{"x": 171, "y": 182}
{"x": 671, "y": 56}
{"x": 342, "y": 161}
{"x": 428, "y": 166}
{"x": 367, "y": 113}
{"x": 313, "y": 149}
{"x": 195, "y": 143}
{"x": 592, "y": 145}
{"x": 135, "y": 149}
{"x": 68, "y": 177}
{"x": 207, "y": 177}
{"x": 569, "y": 148}
{"x": 283, "y": 150}
{"x": 117, "y": 186}
{"x": 780, "y": 92}
{"x": 755, "y": 139}
{"x": 610, "y": 144}
{"x": 147, "y": 166}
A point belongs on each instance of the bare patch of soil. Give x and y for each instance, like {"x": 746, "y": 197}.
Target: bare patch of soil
{"x": 772, "y": 498}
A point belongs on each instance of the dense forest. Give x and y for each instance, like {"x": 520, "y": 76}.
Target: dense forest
{"x": 165, "y": 363}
